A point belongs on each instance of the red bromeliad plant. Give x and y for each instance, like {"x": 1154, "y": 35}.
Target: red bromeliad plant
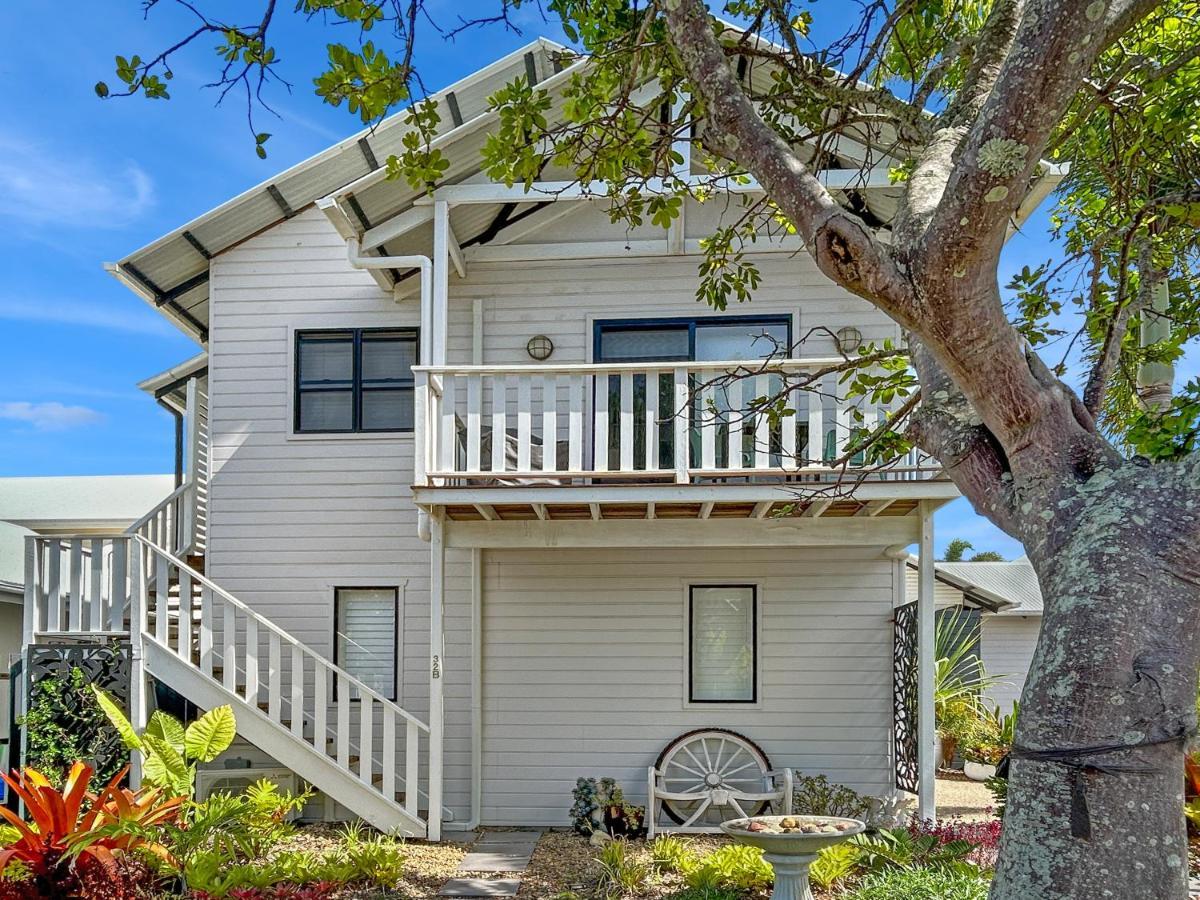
{"x": 62, "y": 839}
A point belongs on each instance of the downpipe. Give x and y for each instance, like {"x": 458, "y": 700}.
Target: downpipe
{"x": 425, "y": 265}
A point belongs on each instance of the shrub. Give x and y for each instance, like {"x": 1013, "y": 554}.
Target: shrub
{"x": 922, "y": 884}
{"x": 815, "y": 795}
{"x": 64, "y": 725}
{"x": 620, "y": 873}
{"x": 375, "y": 859}
{"x": 834, "y": 864}
{"x": 900, "y": 848}
{"x": 170, "y": 751}
{"x": 734, "y": 867}
{"x": 63, "y": 842}
{"x": 242, "y": 826}
{"x": 670, "y": 854}
{"x": 984, "y": 837}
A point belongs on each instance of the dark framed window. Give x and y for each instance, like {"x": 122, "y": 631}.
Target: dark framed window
{"x": 685, "y": 339}
{"x": 351, "y": 380}
{"x": 366, "y": 635}
{"x": 722, "y": 643}
{"x": 690, "y": 339}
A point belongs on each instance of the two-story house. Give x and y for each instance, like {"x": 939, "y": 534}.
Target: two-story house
{"x": 466, "y": 516}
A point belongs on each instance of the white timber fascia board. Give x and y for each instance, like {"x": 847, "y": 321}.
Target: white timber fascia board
{"x": 786, "y": 532}
{"x": 937, "y": 491}
{"x": 833, "y": 179}
{"x": 487, "y": 253}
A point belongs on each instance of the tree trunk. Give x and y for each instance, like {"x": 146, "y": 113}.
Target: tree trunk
{"x": 1113, "y": 684}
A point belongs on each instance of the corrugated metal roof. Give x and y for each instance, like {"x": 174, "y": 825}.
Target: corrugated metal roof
{"x": 1015, "y": 581}
{"x": 172, "y": 272}
{"x": 12, "y": 555}
{"x": 81, "y": 500}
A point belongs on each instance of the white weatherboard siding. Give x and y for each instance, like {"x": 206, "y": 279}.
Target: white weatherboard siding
{"x": 584, "y": 668}
{"x": 1008, "y": 643}
{"x": 291, "y": 518}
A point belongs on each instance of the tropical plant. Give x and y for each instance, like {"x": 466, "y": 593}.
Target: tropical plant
{"x": 922, "y": 884}
{"x": 984, "y": 837}
{"x": 901, "y": 848}
{"x": 63, "y": 840}
{"x": 65, "y": 725}
{"x": 834, "y": 864}
{"x": 171, "y": 752}
{"x": 815, "y": 795}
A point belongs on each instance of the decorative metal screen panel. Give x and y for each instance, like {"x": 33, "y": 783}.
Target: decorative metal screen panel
{"x": 104, "y": 665}
{"x": 904, "y": 698}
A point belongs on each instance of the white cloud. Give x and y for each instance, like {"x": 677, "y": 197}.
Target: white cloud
{"x": 128, "y": 316}
{"x": 41, "y": 187}
{"x": 51, "y": 416}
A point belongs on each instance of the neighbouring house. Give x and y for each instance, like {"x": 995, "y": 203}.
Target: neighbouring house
{"x": 464, "y": 516}
{"x": 1008, "y": 602}
{"x": 72, "y": 505}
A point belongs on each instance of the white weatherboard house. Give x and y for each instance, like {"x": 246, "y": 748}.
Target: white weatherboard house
{"x": 445, "y": 544}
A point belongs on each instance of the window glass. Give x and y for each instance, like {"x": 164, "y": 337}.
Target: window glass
{"x": 325, "y": 359}
{"x": 390, "y": 410}
{"x": 365, "y": 636}
{"x": 741, "y": 341}
{"x": 643, "y": 344}
{"x": 388, "y": 357}
{"x": 327, "y": 410}
{"x": 722, "y": 652}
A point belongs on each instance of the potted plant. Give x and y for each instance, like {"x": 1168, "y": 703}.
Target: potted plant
{"x": 959, "y": 680}
{"x": 989, "y": 742}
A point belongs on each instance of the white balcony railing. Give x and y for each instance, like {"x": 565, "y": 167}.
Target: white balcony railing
{"x": 631, "y": 422}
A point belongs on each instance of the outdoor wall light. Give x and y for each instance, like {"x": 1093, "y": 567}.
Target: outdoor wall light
{"x": 539, "y": 347}
{"x": 849, "y": 339}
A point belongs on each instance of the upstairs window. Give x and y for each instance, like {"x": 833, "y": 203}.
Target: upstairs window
{"x": 354, "y": 380}
{"x": 722, "y": 643}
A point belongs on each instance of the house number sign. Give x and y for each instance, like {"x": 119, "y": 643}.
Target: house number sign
{"x": 437, "y": 667}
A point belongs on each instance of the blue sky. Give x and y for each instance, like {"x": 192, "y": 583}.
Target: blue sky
{"x": 84, "y": 181}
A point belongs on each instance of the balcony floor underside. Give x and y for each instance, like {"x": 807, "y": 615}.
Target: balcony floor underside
{"x": 666, "y": 501}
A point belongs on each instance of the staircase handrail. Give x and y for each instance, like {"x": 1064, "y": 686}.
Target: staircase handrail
{"x": 283, "y": 635}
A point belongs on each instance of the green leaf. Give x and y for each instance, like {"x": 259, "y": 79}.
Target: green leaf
{"x": 210, "y": 735}
{"x": 128, "y": 735}
{"x": 261, "y": 151}
{"x": 164, "y": 767}
{"x": 101, "y": 89}
{"x": 166, "y": 727}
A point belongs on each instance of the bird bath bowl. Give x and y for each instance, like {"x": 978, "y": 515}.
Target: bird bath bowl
{"x": 791, "y": 848}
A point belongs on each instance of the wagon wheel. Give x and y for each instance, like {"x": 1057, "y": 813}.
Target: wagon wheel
{"x": 709, "y": 759}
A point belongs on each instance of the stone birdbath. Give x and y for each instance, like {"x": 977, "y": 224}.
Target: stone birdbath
{"x": 790, "y": 844}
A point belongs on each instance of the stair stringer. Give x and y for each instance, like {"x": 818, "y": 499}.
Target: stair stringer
{"x": 315, "y": 768}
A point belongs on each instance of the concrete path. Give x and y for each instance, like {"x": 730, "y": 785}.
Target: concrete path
{"x": 498, "y": 852}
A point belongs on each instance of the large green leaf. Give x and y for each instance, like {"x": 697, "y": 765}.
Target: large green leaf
{"x": 168, "y": 728}
{"x": 164, "y": 767}
{"x": 118, "y": 720}
{"x": 210, "y": 735}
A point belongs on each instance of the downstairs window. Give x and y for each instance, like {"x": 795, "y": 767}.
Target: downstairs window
{"x": 722, "y": 643}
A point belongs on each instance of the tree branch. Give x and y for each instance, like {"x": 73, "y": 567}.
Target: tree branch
{"x": 843, "y": 246}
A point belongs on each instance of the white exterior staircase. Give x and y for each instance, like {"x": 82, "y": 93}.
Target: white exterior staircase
{"x": 187, "y": 632}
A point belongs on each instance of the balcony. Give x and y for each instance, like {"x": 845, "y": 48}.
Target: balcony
{"x": 653, "y": 440}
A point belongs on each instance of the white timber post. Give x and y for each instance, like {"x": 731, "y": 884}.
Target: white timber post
{"x": 187, "y": 510}
{"x": 441, "y": 279}
{"x": 138, "y": 685}
{"x": 437, "y": 671}
{"x": 926, "y": 734}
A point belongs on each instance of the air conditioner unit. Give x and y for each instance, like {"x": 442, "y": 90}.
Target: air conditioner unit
{"x": 236, "y": 781}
